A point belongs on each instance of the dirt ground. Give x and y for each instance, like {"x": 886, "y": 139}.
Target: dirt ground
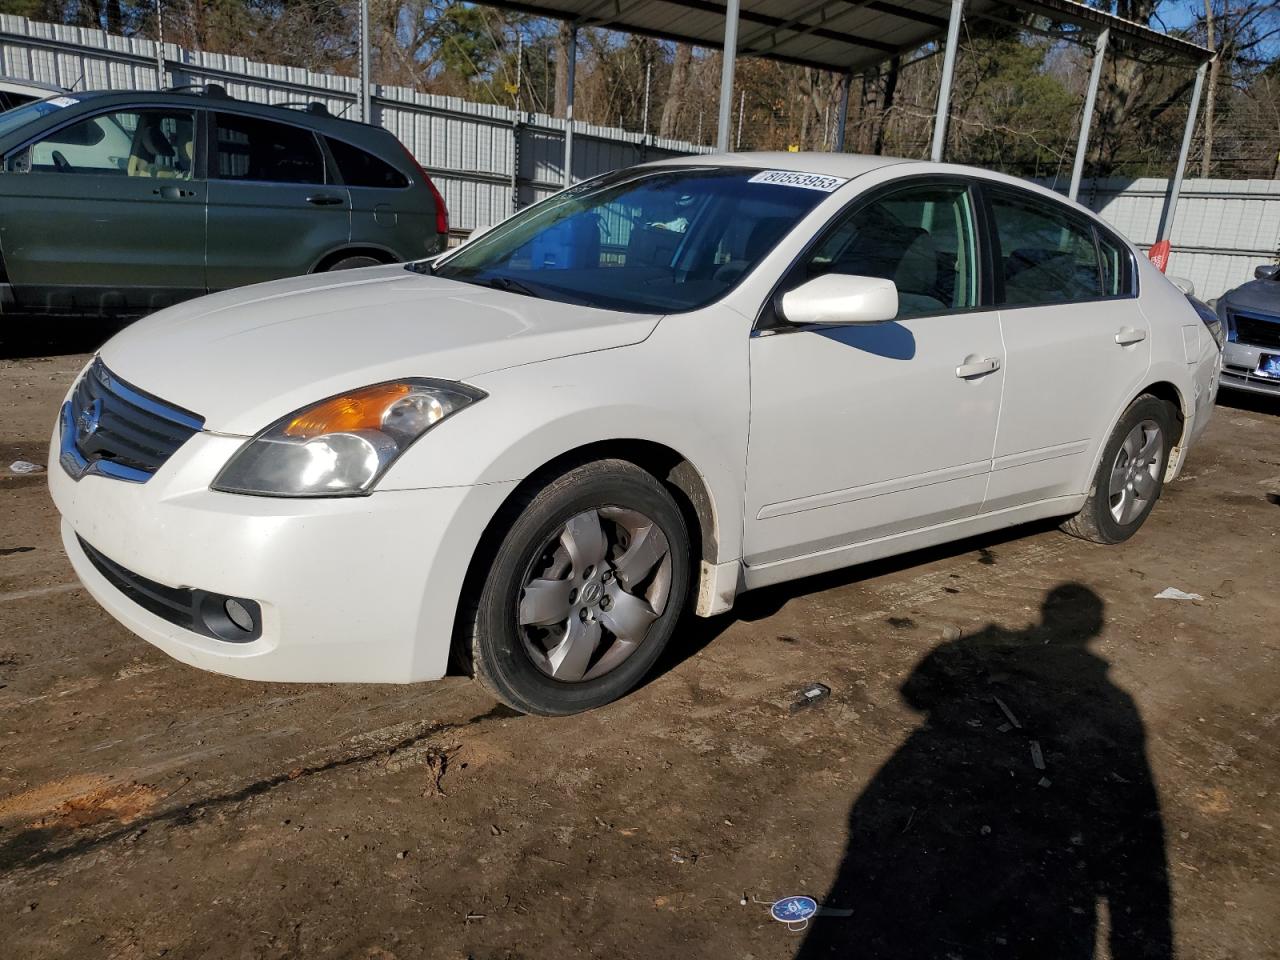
{"x": 150, "y": 810}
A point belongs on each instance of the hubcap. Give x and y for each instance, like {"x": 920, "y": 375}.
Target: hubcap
{"x": 592, "y": 592}
{"x": 1136, "y": 472}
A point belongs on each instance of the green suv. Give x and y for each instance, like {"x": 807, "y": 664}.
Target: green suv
{"x": 120, "y": 203}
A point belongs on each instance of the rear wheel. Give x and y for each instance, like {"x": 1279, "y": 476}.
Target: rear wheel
{"x": 1130, "y": 475}
{"x": 583, "y": 593}
{"x": 353, "y": 263}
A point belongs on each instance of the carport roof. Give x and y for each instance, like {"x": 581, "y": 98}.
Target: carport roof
{"x": 829, "y": 34}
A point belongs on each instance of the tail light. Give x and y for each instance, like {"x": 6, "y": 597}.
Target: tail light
{"x": 442, "y": 211}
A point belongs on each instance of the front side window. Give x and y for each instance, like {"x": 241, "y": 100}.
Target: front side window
{"x": 1046, "y": 254}
{"x": 158, "y": 144}
{"x": 251, "y": 148}
{"x": 664, "y": 240}
{"x": 920, "y": 237}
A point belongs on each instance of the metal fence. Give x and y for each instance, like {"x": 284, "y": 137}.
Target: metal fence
{"x": 487, "y": 160}
{"x": 1222, "y": 229}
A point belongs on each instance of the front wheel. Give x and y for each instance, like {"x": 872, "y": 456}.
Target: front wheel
{"x": 1130, "y": 475}
{"x": 584, "y": 591}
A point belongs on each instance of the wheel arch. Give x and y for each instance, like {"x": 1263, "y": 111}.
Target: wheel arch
{"x": 1162, "y": 390}
{"x": 671, "y": 468}
{"x": 383, "y": 254}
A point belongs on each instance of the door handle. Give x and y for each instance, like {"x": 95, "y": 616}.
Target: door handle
{"x": 323, "y": 199}
{"x": 172, "y": 193}
{"x": 1128, "y": 335}
{"x": 977, "y": 368}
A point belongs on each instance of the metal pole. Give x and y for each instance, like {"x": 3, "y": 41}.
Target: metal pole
{"x": 1175, "y": 188}
{"x": 843, "y": 115}
{"x": 160, "y": 79}
{"x": 944, "y": 89}
{"x": 568, "y": 108}
{"x": 742, "y": 109}
{"x": 1082, "y": 144}
{"x": 726, "y": 75}
{"x": 364, "y": 62}
{"x": 648, "y": 74}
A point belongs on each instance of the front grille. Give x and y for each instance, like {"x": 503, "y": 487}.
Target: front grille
{"x": 113, "y": 428}
{"x": 196, "y": 610}
{"x": 1257, "y": 331}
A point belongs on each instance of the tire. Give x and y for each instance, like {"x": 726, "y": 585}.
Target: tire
{"x": 353, "y": 263}
{"x": 1115, "y": 510}
{"x": 520, "y": 648}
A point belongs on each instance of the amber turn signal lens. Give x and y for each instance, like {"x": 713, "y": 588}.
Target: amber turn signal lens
{"x": 358, "y": 410}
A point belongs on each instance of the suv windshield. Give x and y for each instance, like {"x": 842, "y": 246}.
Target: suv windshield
{"x": 11, "y": 120}
{"x": 661, "y": 240}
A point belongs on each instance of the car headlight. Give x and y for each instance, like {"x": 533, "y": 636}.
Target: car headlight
{"x": 342, "y": 446}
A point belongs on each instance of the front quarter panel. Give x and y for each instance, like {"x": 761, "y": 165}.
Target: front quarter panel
{"x": 685, "y": 387}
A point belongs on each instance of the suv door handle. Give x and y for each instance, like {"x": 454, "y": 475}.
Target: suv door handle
{"x": 1128, "y": 335}
{"x": 977, "y": 368}
{"x": 323, "y": 199}
{"x": 172, "y": 193}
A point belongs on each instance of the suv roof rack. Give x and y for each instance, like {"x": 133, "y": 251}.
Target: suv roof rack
{"x": 215, "y": 90}
{"x": 309, "y": 106}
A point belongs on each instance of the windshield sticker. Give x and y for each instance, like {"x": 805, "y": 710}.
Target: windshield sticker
{"x": 806, "y": 181}
{"x": 62, "y": 101}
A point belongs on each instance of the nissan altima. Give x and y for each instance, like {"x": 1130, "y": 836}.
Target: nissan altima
{"x": 534, "y": 455}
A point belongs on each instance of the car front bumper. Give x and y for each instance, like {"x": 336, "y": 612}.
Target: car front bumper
{"x": 1240, "y": 368}
{"x": 359, "y": 589}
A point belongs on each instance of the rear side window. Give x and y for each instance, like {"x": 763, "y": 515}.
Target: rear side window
{"x": 1046, "y": 254}
{"x": 359, "y": 168}
{"x": 1116, "y": 281}
{"x": 251, "y": 148}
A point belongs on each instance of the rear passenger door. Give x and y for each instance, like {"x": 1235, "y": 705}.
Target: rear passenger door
{"x": 385, "y": 211}
{"x": 272, "y": 210}
{"x": 1076, "y": 343}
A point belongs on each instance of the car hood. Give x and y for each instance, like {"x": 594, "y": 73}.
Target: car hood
{"x": 245, "y": 358}
{"x": 1256, "y": 296}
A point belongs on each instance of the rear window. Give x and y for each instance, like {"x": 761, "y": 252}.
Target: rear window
{"x": 11, "y": 120}
{"x": 359, "y": 168}
{"x": 251, "y": 148}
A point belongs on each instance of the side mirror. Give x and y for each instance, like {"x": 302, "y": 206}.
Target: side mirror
{"x": 841, "y": 298}
{"x": 1185, "y": 285}
{"x": 1268, "y": 271}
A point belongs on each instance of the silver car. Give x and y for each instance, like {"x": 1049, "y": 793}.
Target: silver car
{"x": 1251, "y": 314}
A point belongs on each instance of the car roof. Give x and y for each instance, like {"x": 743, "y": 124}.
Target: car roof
{"x": 848, "y": 165}
{"x": 32, "y": 86}
{"x": 204, "y": 97}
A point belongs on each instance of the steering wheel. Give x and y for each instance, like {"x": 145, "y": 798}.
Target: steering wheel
{"x": 60, "y": 162}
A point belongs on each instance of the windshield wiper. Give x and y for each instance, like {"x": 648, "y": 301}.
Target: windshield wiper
{"x": 513, "y": 286}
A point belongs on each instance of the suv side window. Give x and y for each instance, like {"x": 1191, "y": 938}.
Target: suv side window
{"x": 359, "y": 168}
{"x": 135, "y": 143}
{"x": 251, "y": 148}
{"x": 921, "y": 237}
{"x": 1045, "y": 253}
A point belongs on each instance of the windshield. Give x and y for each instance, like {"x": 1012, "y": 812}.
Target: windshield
{"x": 661, "y": 240}
{"x": 11, "y": 120}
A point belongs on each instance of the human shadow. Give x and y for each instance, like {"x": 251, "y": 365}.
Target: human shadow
{"x": 961, "y": 847}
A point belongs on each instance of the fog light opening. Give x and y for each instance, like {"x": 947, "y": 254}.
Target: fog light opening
{"x": 238, "y": 615}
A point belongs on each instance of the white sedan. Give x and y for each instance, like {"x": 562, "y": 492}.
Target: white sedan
{"x": 646, "y": 394}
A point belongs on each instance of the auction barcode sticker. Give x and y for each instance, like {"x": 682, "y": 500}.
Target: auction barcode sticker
{"x": 63, "y": 101}
{"x": 808, "y": 181}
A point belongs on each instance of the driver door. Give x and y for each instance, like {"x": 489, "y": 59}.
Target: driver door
{"x": 864, "y": 432}
{"x": 106, "y": 214}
